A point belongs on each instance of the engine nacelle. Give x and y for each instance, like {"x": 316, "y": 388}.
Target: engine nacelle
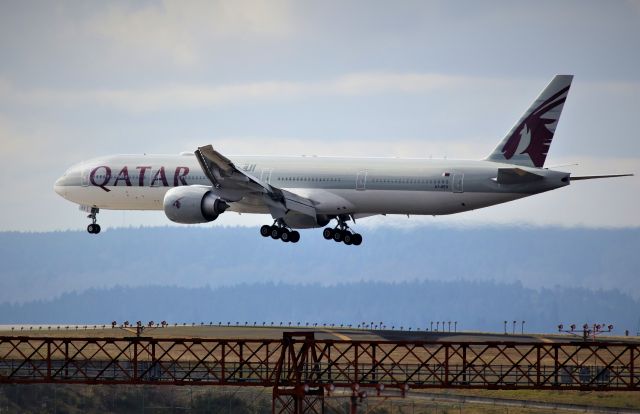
{"x": 192, "y": 204}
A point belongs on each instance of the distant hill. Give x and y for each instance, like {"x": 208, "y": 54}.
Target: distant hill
{"x": 475, "y": 305}
{"x": 39, "y": 266}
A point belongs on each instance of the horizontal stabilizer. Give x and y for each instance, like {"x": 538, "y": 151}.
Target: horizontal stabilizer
{"x": 595, "y": 177}
{"x": 516, "y": 176}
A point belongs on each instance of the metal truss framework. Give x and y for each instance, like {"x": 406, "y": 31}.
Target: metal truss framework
{"x": 301, "y": 369}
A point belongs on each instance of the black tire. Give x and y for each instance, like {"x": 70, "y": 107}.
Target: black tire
{"x": 285, "y": 236}
{"x": 347, "y": 238}
{"x": 96, "y": 229}
{"x": 327, "y": 233}
{"x": 357, "y": 239}
{"x": 275, "y": 233}
{"x": 90, "y": 229}
{"x": 337, "y": 236}
{"x": 295, "y": 237}
{"x": 265, "y": 231}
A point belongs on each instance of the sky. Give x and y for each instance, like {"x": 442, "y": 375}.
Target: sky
{"x": 358, "y": 78}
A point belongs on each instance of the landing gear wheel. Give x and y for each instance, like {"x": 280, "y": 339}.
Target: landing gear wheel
{"x": 279, "y": 230}
{"x": 93, "y": 228}
{"x": 342, "y": 232}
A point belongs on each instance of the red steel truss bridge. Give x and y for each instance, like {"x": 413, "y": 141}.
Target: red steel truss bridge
{"x": 302, "y": 370}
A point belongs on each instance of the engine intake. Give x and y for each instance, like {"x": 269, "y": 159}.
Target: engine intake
{"x": 192, "y": 205}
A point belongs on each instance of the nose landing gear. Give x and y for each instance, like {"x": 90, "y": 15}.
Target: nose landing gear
{"x": 93, "y": 228}
{"x": 342, "y": 233}
{"x": 279, "y": 231}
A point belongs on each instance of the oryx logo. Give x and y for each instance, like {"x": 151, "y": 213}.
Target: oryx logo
{"x": 177, "y": 204}
{"x": 534, "y": 134}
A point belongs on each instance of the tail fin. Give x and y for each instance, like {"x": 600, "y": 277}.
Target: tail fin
{"x": 528, "y": 142}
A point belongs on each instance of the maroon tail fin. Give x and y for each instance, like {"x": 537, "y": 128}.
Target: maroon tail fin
{"x": 528, "y": 142}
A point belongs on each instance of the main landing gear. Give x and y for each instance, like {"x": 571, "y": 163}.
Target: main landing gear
{"x": 93, "y": 228}
{"x": 342, "y": 233}
{"x": 279, "y": 231}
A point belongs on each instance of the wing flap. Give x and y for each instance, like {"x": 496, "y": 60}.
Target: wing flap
{"x": 221, "y": 170}
{"x": 216, "y": 158}
{"x": 298, "y": 204}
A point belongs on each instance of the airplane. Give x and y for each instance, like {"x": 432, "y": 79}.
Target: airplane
{"x": 310, "y": 192}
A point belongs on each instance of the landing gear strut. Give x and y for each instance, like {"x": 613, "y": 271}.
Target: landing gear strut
{"x": 279, "y": 231}
{"x": 342, "y": 233}
{"x": 93, "y": 228}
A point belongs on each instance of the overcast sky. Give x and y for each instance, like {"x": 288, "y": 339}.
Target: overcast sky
{"x": 365, "y": 78}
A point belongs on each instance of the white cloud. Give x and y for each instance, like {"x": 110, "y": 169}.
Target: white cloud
{"x": 10, "y": 145}
{"x": 186, "y": 96}
{"x": 15, "y": 142}
{"x": 195, "y": 96}
{"x": 178, "y": 32}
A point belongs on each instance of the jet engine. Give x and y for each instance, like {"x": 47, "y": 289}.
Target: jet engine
{"x": 192, "y": 204}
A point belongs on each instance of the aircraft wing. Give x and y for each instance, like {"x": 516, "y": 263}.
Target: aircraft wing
{"x": 234, "y": 184}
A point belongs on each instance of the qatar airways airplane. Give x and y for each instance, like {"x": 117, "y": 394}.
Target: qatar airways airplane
{"x": 310, "y": 192}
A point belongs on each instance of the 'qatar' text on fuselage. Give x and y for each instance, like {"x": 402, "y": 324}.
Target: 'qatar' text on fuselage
{"x": 101, "y": 177}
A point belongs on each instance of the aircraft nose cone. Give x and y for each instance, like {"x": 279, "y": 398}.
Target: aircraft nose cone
{"x": 59, "y": 187}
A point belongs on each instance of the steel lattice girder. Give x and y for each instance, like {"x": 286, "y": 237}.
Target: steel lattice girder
{"x": 297, "y": 360}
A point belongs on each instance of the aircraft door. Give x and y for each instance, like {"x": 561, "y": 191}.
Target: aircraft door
{"x": 458, "y": 183}
{"x": 265, "y": 175}
{"x": 361, "y": 181}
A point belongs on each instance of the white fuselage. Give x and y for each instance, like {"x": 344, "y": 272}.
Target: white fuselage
{"x": 355, "y": 186}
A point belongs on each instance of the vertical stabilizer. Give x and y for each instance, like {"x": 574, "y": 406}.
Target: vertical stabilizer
{"x": 528, "y": 142}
